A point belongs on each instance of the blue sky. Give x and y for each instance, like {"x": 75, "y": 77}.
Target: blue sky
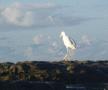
{"x": 29, "y": 29}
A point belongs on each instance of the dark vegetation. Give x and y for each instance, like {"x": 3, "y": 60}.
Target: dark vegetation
{"x": 66, "y": 72}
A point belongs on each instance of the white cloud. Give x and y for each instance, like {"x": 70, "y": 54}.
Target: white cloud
{"x": 53, "y": 47}
{"x": 39, "y": 39}
{"x": 86, "y": 40}
{"x": 54, "y": 44}
{"x": 26, "y": 15}
{"x": 37, "y": 15}
{"x": 11, "y": 14}
{"x": 27, "y": 19}
{"x": 14, "y": 15}
{"x": 42, "y": 39}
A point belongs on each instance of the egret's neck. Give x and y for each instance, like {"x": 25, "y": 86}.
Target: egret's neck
{"x": 64, "y": 35}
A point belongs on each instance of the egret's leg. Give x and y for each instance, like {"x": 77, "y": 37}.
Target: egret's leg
{"x": 69, "y": 52}
{"x": 66, "y": 56}
{"x": 72, "y": 52}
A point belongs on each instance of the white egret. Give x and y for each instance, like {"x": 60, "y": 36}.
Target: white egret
{"x": 69, "y": 44}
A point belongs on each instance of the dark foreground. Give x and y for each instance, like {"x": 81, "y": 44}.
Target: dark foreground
{"x": 67, "y": 72}
{"x": 34, "y": 85}
{"x": 35, "y": 75}
{"x": 31, "y": 85}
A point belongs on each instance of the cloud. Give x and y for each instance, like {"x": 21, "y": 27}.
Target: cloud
{"x": 26, "y": 15}
{"x": 36, "y": 15}
{"x": 39, "y": 39}
{"x": 45, "y": 47}
{"x": 96, "y": 50}
{"x": 53, "y": 47}
{"x": 86, "y": 40}
{"x": 13, "y": 15}
{"x": 55, "y": 44}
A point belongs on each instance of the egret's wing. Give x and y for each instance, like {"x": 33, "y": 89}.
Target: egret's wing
{"x": 73, "y": 42}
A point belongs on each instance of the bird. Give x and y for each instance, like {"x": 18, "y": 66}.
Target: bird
{"x": 69, "y": 44}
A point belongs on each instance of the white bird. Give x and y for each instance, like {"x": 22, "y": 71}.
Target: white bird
{"x": 69, "y": 44}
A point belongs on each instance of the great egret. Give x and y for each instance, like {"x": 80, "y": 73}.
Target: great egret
{"x": 69, "y": 44}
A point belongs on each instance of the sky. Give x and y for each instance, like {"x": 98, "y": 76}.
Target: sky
{"x": 30, "y": 29}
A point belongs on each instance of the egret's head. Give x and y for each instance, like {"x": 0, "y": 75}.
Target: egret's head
{"x": 62, "y": 34}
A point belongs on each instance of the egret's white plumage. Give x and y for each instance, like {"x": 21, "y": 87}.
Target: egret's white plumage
{"x": 69, "y": 44}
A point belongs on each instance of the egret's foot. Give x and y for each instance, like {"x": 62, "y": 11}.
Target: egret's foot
{"x": 65, "y": 59}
